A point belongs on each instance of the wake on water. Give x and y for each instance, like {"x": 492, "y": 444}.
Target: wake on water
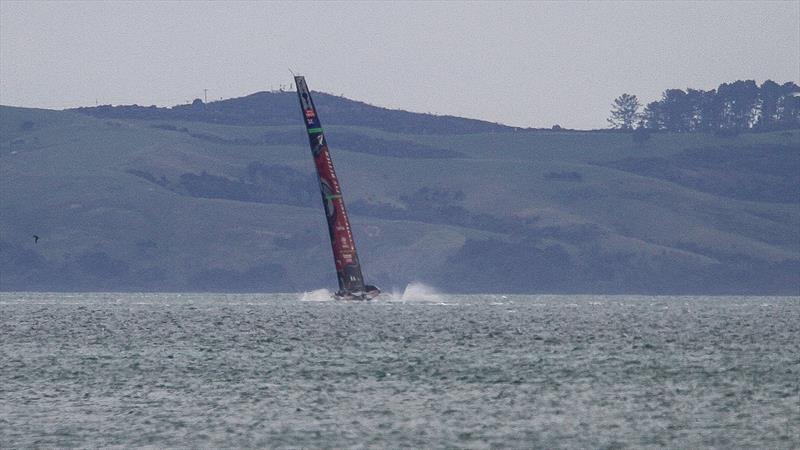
{"x": 317, "y": 295}
{"x": 413, "y": 292}
{"x": 416, "y": 292}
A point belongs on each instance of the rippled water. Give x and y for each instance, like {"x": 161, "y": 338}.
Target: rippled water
{"x": 216, "y": 370}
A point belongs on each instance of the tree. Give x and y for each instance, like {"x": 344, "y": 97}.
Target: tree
{"x": 653, "y": 116}
{"x": 738, "y": 104}
{"x": 677, "y": 110}
{"x": 769, "y": 95}
{"x": 702, "y": 109}
{"x": 624, "y": 112}
{"x": 789, "y": 106}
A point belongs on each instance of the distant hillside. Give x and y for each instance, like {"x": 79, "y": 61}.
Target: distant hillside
{"x": 280, "y": 108}
{"x": 222, "y": 197}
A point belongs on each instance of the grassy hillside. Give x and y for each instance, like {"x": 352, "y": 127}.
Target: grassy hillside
{"x": 172, "y": 201}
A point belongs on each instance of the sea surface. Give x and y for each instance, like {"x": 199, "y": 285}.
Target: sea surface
{"x": 430, "y": 371}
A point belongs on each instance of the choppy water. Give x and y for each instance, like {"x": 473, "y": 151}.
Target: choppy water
{"x": 214, "y": 370}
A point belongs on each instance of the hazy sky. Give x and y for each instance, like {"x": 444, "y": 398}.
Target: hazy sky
{"x": 520, "y": 63}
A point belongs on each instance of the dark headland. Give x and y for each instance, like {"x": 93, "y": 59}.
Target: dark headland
{"x": 221, "y": 197}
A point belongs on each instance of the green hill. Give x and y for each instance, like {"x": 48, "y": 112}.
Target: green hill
{"x": 210, "y": 197}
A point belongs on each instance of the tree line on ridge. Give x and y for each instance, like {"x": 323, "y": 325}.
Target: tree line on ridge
{"x": 732, "y": 107}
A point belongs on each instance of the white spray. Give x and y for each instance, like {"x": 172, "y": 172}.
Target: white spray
{"x": 415, "y": 292}
{"x": 317, "y": 295}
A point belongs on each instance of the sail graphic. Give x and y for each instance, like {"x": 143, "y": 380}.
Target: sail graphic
{"x": 348, "y": 267}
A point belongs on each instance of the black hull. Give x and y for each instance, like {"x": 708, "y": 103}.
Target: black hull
{"x": 370, "y": 293}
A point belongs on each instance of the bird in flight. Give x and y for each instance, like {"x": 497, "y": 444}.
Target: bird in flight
{"x": 35, "y": 239}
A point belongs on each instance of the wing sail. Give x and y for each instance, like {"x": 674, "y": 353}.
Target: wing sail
{"x": 348, "y": 267}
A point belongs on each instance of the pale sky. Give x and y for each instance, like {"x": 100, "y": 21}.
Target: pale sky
{"x": 531, "y": 64}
